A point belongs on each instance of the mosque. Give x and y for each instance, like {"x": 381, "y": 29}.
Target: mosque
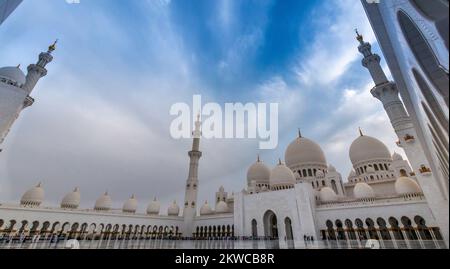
{"x": 385, "y": 197}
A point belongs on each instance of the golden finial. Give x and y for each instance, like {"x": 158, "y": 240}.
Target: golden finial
{"x": 360, "y": 132}
{"x": 359, "y": 37}
{"x": 52, "y": 47}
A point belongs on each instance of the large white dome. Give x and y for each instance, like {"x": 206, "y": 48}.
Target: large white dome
{"x": 174, "y": 209}
{"x": 406, "y": 185}
{"x": 14, "y": 74}
{"x": 154, "y": 207}
{"x": 206, "y": 209}
{"x": 258, "y": 172}
{"x": 281, "y": 175}
{"x": 72, "y": 199}
{"x": 304, "y": 151}
{"x": 363, "y": 190}
{"x": 221, "y": 207}
{"x": 366, "y": 148}
{"x": 103, "y": 203}
{"x": 33, "y": 197}
{"x": 130, "y": 205}
{"x": 327, "y": 194}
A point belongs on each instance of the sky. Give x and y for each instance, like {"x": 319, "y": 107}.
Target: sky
{"x": 101, "y": 118}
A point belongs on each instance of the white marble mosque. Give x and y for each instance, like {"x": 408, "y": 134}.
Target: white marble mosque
{"x": 301, "y": 198}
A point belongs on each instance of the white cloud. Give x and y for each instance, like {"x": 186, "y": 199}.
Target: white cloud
{"x": 333, "y": 47}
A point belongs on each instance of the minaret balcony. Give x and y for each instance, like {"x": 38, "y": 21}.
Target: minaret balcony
{"x": 409, "y": 138}
{"x": 425, "y": 171}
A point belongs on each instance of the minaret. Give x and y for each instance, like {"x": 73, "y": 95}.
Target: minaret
{"x": 15, "y": 90}
{"x": 37, "y": 71}
{"x": 190, "y": 203}
{"x": 386, "y": 91}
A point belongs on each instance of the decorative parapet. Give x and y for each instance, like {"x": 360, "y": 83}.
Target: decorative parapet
{"x": 377, "y": 200}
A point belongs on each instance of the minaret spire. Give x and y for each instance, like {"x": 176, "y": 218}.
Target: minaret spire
{"x": 435, "y": 191}
{"x": 190, "y": 204}
{"x": 371, "y": 61}
{"x": 37, "y": 71}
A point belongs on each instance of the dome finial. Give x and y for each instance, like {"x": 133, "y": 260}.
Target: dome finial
{"x": 52, "y": 47}
{"x": 360, "y": 131}
{"x": 299, "y": 133}
{"x": 258, "y": 159}
{"x": 359, "y": 37}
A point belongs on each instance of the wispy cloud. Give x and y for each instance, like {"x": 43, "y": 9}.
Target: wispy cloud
{"x": 101, "y": 118}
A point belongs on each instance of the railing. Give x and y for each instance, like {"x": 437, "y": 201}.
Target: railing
{"x": 219, "y": 244}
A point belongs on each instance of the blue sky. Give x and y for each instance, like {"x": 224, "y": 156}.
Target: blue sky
{"x": 101, "y": 118}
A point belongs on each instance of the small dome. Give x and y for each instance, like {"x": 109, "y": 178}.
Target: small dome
{"x": 14, "y": 74}
{"x": 258, "y": 172}
{"x": 366, "y": 148}
{"x": 397, "y": 157}
{"x": 370, "y": 170}
{"x": 174, "y": 209}
{"x": 320, "y": 174}
{"x": 281, "y": 175}
{"x": 406, "y": 185}
{"x": 153, "y": 207}
{"x": 221, "y": 207}
{"x": 103, "y": 203}
{"x": 327, "y": 194}
{"x": 331, "y": 169}
{"x": 130, "y": 205}
{"x": 206, "y": 209}
{"x": 304, "y": 151}
{"x": 71, "y": 200}
{"x": 363, "y": 190}
{"x": 33, "y": 197}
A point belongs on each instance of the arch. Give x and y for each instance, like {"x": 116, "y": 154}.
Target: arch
{"x": 371, "y": 229}
{"x": 409, "y": 230}
{"x": 431, "y": 100}
{"x": 289, "y": 232}
{"x": 34, "y": 228}
{"x": 424, "y": 231}
{"x": 340, "y": 230}
{"x": 23, "y": 227}
{"x": 350, "y": 230}
{"x": 330, "y": 229}
{"x": 254, "y": 228}
{"x": 360, "y": 229}
{"x": 436, "y": 11}
{"x": 270, "y": 224}
{"x": 424, "y": 55}
{"x": 45, "y": 227}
